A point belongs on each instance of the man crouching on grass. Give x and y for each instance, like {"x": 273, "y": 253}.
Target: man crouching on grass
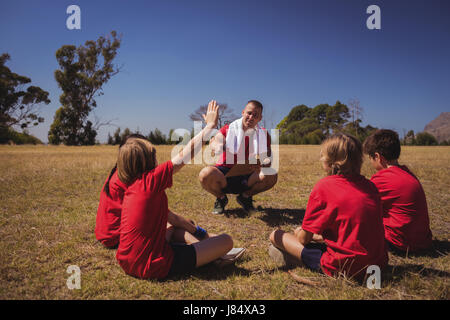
{"x": 239, "y": 168}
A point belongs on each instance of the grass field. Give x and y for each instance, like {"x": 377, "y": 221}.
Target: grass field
{"x": 48, "y": 204}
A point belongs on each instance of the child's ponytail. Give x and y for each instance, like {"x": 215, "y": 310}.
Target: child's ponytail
{"x": 106, "y": 187}
{"x": 342, "y": 154}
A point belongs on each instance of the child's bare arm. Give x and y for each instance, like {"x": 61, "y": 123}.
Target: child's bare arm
{"x": 180, "y": 222}
{"x": 195, "y": 145}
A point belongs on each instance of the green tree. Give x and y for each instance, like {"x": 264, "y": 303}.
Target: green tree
{"x": 409, "y": 138}
{"x": 18, "y": 106}
{"x": 226, "y": 114}
{"x": 157, "y": 137}
{"x": 297, "y": 113}
{"x": 356, "y": 112}
{"x": 355, "y": 129}
{"x": 117, "y": 139}
{"x": 426, "y": 139}
{"x": 124, "y": 135}
{"x": 304, "y": 125}
{"x": 83, "y": 71}
{"x": 110, "y": 139}
{"x": 336, "y": 117}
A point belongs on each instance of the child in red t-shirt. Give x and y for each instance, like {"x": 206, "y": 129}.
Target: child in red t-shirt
{"x": 344, "y": 212}
{"x": 405, "y": 211}
{"x": 110, "y": 206}
{"x": 144, "y": 250}
{"x": 110, "y": 210}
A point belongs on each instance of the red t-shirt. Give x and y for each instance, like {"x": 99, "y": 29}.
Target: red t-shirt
{"x": 109, "y": 211}
{"x": 405, "y": 211}
{"x": 143, "y": 250}
{"x": 223, "y": 157}
{"x": 346, "y": 211}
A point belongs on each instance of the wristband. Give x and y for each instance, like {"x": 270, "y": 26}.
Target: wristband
{"x": 200, "y": 233}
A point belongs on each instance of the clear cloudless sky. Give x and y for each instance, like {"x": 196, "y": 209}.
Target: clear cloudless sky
{"x": 178, "y": 55}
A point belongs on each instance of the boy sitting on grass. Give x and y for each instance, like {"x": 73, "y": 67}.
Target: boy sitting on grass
{"x": 405, "y": 212}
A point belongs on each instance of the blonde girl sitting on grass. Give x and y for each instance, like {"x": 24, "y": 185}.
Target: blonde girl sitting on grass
{"x": 343, "y": 210}
{"x": 144, "y": 249}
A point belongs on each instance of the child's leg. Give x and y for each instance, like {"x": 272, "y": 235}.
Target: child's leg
{"x": 212, "y": 248}
{"x": 169, "y": 232}
{"x": 288, "y": 243}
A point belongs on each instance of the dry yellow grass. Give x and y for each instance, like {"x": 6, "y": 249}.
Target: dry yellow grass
{"x": 48, "y": 204}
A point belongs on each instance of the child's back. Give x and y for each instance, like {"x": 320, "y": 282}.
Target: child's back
{"x": 143, "y": 251}
{"x": 405, "y": 211}
{"x": 346, "y": 211}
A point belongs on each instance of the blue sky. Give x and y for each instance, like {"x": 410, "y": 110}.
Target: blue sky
{"x": 178, "y": 55}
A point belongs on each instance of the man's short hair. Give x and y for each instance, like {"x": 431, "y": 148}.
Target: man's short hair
{"x": 257, "y": 104}
{"x": 385, "y": 142}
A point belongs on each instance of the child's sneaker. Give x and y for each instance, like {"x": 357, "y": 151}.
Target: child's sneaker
{"x": 229, "y": 258}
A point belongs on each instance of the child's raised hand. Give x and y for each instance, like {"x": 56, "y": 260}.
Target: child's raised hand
{"x": 212, "y": 114}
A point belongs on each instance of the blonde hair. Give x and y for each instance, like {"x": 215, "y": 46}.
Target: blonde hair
{"x": 135, "y": 157}
{"x": 342, "y": 154}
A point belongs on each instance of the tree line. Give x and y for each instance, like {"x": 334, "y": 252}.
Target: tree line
{"x": 422, "y": 139}
{"x": 305, "y": 125}
{"x": 83, "y": 71}
{"x": 155, "y": 137}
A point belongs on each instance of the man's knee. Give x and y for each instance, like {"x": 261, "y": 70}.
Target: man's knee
{"x": 209, "y": 175}
{"x": 204, "y": 175}
{"x": 270, "y": 180}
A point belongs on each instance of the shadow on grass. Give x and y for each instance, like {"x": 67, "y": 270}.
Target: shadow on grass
{"x": 439, "y": 248}
{"x": 401, "y": 272}
{"x": 236, "y": 213}
{"x": 212, "y": 272}
{"x": 275, "y": 217}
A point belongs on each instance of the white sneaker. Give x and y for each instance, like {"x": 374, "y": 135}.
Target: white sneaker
{"x": 230, "y": 257}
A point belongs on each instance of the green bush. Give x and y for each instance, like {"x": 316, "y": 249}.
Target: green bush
{"x": 8, "y": 135}
{"x": 426, "y": 139}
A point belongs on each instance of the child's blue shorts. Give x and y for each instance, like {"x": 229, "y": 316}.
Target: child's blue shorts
{"x": 311, "y": 255}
